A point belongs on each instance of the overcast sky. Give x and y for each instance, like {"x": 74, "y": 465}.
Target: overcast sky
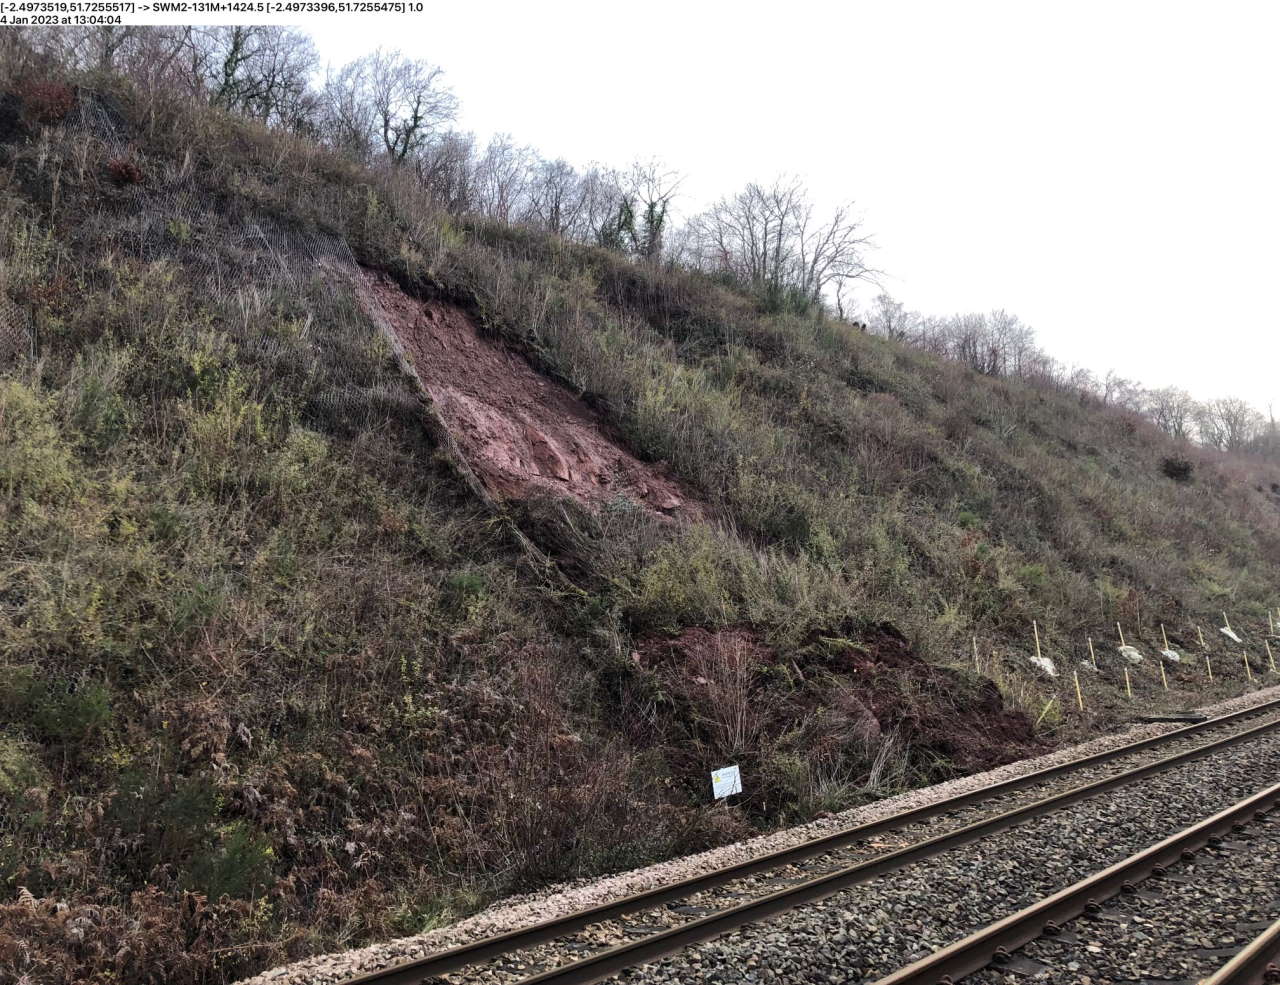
{"x": 1107, "y": 171}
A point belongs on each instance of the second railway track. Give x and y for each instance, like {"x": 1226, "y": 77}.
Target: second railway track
{"x": 865, "y": 933}
{"x": 604, "y": 940}
{"x": 1169, "y": 913}
{"x": 1255, "y": 963}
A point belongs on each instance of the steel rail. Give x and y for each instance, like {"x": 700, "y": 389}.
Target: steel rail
{"x": 415, "y": 971}
{"x": 601, "y": 965}
{"x": 978, "y": 950}
{"x": 1259, "y": 962}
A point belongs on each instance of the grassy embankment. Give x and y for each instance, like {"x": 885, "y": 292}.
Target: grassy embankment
{"x": 274, "y": 680}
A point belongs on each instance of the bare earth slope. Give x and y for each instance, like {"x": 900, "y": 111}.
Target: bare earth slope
{"x": 522, "y": 434}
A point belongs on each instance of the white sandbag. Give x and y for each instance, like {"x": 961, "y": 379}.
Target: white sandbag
{"x": 1045, "y": 664}
{"x": 1130, "y": 653}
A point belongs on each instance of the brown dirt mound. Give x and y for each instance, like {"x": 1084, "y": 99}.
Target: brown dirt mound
{"x": 948, "y": 713}
{"x": 865, "y": 683}
{"x": 522, "y": 434}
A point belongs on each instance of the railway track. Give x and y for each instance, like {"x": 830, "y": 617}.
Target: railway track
{"x": 602, "y": 941}
{"x": 1254, "y": 964}
{"x": 995, "y": 944}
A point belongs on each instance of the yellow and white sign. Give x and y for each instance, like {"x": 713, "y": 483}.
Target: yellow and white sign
{"x": 725, "y": 781}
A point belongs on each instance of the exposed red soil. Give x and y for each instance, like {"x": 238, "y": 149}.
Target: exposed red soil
{"x": 522, "y": 434}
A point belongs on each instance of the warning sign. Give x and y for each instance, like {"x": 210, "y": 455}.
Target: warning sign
{"x": 725, "y": 781}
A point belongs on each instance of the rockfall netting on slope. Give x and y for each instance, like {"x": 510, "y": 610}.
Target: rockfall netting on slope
{"x": 248, "y": 265}
{"x": 17, "y": 336}
{"x": 516, "y": 434}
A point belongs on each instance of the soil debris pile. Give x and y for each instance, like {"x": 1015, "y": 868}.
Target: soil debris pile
{"x": 957, "y": 716}
{"x": 851, "y": 696}
{"x": 523, "y": 435}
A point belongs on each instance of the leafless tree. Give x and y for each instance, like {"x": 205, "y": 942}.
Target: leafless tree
{"x": 555, "y": 196}
{"x": 261, "y": 71}
{"x": 770, "y": 238}
{"x": 933, "y": 334}
{"x": 94, "y": 48}
{"x": 157, "y": 60}
{"x": 1015, "y": 342}
{"x": 830, "y": 252}
{"x": 410, "y": 101}
{"x": 502, "y": 180}
{"x": 680, "y": 246}
{"x": 971, "y": 342}
{"x": 1120, "y": 391}
{"x": 1084, "y": 381}
{"x": 447, "y": 168}
{"x": 283, "y": 71}
{"x": 389, "y": 101}
{"x": 891, "y": 319}
{"x": 1228, "y": 423}
{"x": 601, "y": 189}
{"x": 652, "y": 187}
{"x": 1173, "y": 410}
{"x": 997, "y": 343}
{"x": 132, "y": 50}
{"x": 107, "y": 41}
{"x": 751, "y": 235}
{"x": 348, "y": 118}
{"x": 1266, "y": 444}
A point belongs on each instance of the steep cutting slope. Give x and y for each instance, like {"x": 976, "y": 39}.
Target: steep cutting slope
{"x": 289, "y": 656}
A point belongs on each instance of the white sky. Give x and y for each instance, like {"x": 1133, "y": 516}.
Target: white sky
{"x": 1107, "y": 171}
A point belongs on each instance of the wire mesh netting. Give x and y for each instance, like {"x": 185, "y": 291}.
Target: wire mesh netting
{"x": 17, "y": 334}
{"x": 258, "y": 270}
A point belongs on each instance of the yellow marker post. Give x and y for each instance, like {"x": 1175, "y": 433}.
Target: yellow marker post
{"x": 1209, "y": 666}
{"x": 1225, "y": 621}
{"x": 1047, "y": 705}
{"x": 1121, "y": 632}
{"x": 1271, "y": 657}
{"x": 1079, "y": 695}
{"x": 1247, "y": 669}
{"x": 1128, "y": 687}
{"x": 976, "y": 666}
{"x": 1093, "y": 656}
{"x": 1164, "y": 636}
{"x": 1036, "y": 629}
{"x": 1200, "y": 633}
